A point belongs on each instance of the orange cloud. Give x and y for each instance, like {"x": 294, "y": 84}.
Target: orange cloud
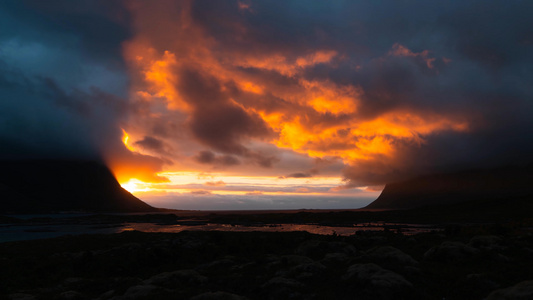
{"x": 239, "y": 95}
{"x": 283, "y": 65}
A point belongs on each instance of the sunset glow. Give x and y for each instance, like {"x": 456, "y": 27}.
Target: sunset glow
{"x": 126, "y": 140}
{"x": 294, "y": 94}
{"x": 198, "y": 88}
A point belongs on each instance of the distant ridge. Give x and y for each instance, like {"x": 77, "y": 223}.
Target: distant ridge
{"x": 507, "y": 183}
{"x": 45, "y": 186}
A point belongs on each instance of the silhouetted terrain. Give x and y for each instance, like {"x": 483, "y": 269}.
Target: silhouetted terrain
{"x": 496, "y": 186}
{"x": 43, "y": 186}
{"x": 469, "y": 263}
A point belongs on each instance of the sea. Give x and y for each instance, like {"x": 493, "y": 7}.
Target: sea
{"x": 38, "y": 230}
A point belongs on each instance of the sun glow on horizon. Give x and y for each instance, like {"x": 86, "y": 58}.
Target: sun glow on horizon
{"x": 199, "y": 183}
{"x": 134, "y": 185}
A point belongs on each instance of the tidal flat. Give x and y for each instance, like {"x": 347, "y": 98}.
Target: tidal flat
{"x": 491, "y": 261}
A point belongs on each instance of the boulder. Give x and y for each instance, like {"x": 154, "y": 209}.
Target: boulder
{"x": 21, "y": 296}
{"x": 450, "y": 252}
{"x": 304, "y": 271}
{"x": 335, "y": 259}
{"x": 392, "y": 255}
{"x": 145, "y": 291}
{"x": 283, "y": 288}
{"x": 374, "y": 276}
{"x": 177, "y": 278}
{"x": 486, "y": 242}
{"x": 218, "y": 296}
{"x": 520, "y": 291}
{"x": 294, "y": 260}
{"x": 317, "y": 249}
{"x": 72, "y": 295}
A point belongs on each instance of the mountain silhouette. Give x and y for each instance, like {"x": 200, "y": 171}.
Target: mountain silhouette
{"x": 45, "y": 186}
{"x": 505, "y": 183}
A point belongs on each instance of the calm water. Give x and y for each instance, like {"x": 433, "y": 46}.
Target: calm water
{"x": 40, "y": 231}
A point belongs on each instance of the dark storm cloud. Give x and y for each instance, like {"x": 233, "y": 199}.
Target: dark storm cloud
{"x": 465, "y": 60}
{"x": 47, "y": 52}
{"x": 208, "y": 157}
{"x": 63, "y": 83}
{"x": 456, "y": 75}
{"x": 299, "y": 175}
{"x": 151, "y": 143}
{"x": 97, "y": 25}
{"x": 216, "y": 121}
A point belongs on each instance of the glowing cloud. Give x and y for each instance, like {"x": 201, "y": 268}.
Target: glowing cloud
{"x": 228, "y": 98}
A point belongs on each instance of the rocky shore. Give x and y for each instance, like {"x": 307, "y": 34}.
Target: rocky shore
{"x": 463, "y": 262}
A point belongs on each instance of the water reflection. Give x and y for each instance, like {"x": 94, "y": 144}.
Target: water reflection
{"x": 15, "y": 232}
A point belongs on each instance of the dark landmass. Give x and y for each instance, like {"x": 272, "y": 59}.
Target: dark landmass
{"x": 492, "y": 185}
{"x": 519, "y": 209}
{"x": 482, "y": 250}
{"x": 47, "y": 186}
{"x": 472, "y": 262}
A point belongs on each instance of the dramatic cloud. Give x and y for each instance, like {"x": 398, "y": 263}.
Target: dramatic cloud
{"x": 379, "y": 92}
{"x": 63, "y": 84}
{"x": 371, "y": 92}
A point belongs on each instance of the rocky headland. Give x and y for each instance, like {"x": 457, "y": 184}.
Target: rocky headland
{"x": 48, "y": 186}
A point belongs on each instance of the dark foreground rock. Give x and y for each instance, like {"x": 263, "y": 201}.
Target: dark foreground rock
{"x": 520, "y": 291}
{"x": 472, "y": 263}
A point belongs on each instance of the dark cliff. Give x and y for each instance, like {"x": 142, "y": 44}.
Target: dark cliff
{"x": 43, "y": 186}
{"x": 504, "y": 184}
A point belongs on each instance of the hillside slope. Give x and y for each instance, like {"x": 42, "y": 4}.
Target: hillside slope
{"x": 443, "y": 189}
{"x": 42, "y": 186}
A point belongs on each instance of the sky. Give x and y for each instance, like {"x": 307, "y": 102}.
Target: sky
{"x": 267, "y": 104}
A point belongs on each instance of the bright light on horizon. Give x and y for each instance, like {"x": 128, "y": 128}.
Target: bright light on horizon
{"x": 134, "y": 185}
{"x": 201, "y": 186}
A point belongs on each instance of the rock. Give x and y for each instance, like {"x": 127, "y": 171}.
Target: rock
{"x": 294, "y": 260}
{"x": 307, "y": 270}
{"x": 335, "y": 259}
{"x": 520, "y": 291}
{"x": 293, "y": 266}
{"x": 314, "y": 248}
{"x": 450, "y": 252}
{"x": 224, "y": 263}
{"x": 21, "y": 296}
{"x": 190, "y": 243}
{"x": 526, "y": 251}
{"x": 390, "y": 254}
{"x": 243, "y": 267}
{"x": 143, "y": 292}
{"x": 177, "y": 278}
{"x": 479, "y": 282}
{"x": 284, "y": 282}
{"x": 218, "y": 296}
{"x": 376, "y": 277}
{"x": 377, "y": 239}
{"x": 73, "y": 281}
{"x": 412, "y": 271}
{"x": 72, "y": 295}
{"x": 283, "y": 288}
{"x": 106, "y": 295}
{"x": 317, "y": 249}
{"x": 486, "y": 242}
